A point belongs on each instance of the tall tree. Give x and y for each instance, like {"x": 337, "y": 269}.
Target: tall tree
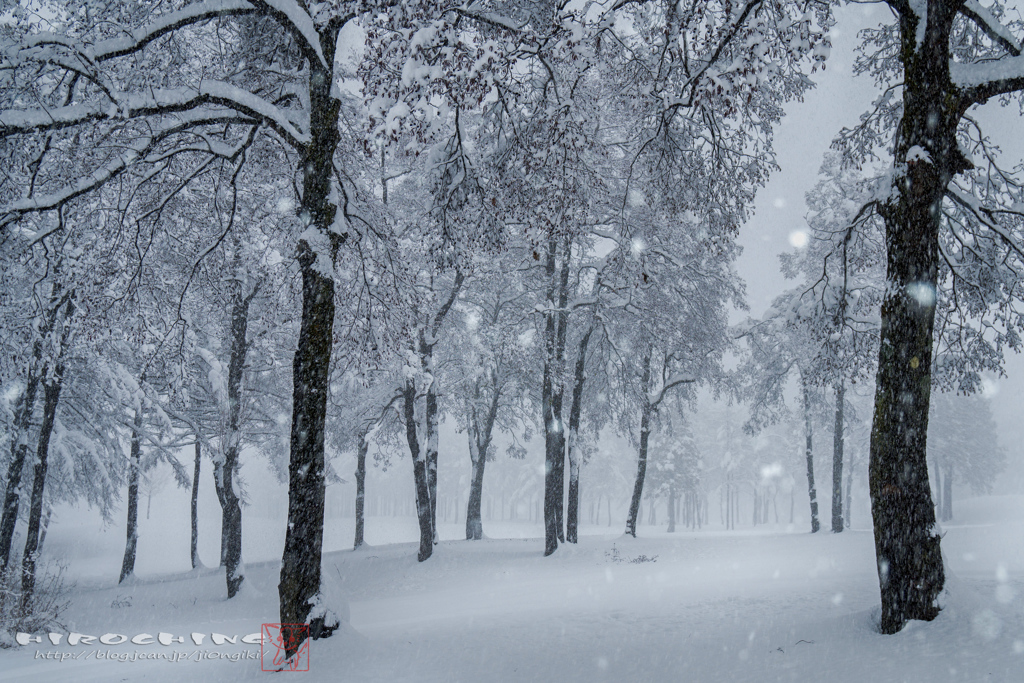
{"x": 949, "y": 56}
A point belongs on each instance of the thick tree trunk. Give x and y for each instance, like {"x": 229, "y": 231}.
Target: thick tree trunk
{"x": 19, "y": 452}
{"x": 910, "y": 570}
{"x": 809, "y": 451}
{"x": 218, "y": 486}
{"x": 303, "y": 546}
{"x": 360, "y": 487}
{"x": 195, "y": 506}
{"x": 474, "y": 525}
{"x": 134, "y": 465}
{"x": 479, "y": 446}
{"x": 837, "y": 462}
{"x": 51, "y": 397}
{"x": 641, "y": 465}
{"x": 575, "y": 412}
{"x": 231, "y": 511}
{"x": 419, "y": 471}
{"x": 430, "y": 423}
{"x": 552, "y": 393}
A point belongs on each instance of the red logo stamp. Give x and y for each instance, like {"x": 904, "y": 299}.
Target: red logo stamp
{"x": 278, "y": 640}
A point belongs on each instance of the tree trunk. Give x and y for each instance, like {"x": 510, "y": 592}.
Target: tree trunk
{"x": 303, "y": 547}
{"x": 474, "y": 524}
{"x": 575, "y": 411}
{"x": 815, "y": 525}
{"x": 360, "y": 487}
{"x": 19, "y": 452}
{"x": 419, "y": 472}
{"x": 837, "y": 462}
{"x": 910, "y": 570}
{"x": 552, "y": 394}
{"x": 430, "y": 422}
{"x": 218, "y": 486}
{"x": 51, "y": 397}
{"x": 231, "y": 516}
{"x": 641, "y": 465}
{"x": 134, "y": 464}
{"x": 195, "y": 506}
{"x": 947, "y": 494}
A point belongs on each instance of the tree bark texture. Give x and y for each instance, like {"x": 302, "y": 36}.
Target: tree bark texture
{"x": 837, "y": 461}
{"x": 910, "y": 570}
{"x": 22, "y": 423}
{"x": 572, "y": 445}
{"x": 419, "y": 470}
{"x": 641, "y": 463}
{"x": 51, "y": 397}
{"x": 479, "y": 432}
{"x": 364, "y": 446}
{"x": 303, "y": 547}
{"x": 19, "y": 452}
{"x": 195, "y": 505}
{"x": 134, "y": 465}
{"x": 809, "y": 451}
{"x": 552, "y": 393}
{"x": 231, "y": 510}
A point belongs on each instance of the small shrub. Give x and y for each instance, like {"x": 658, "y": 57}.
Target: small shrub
{"x": 43, "y": 609}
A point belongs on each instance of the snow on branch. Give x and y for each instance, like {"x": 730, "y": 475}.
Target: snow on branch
{"x": 984, "y": 216}
{"x": 144, "y": 35}
{"x": 988, "y": 79}
{"x": 156, "y": 102}
{"x": 656, "y": 397}
{"x": 111, "y": 170}
{"x": 984, "y": 19}
{"x": 291, "y": 16}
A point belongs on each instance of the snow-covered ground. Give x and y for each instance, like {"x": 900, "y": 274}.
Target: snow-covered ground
{"x": 771, "y": 604}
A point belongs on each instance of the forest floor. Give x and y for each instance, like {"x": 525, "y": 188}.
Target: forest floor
{"x": 758, "y": 605}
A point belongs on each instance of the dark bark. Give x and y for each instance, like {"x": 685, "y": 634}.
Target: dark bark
{"x": 575, "y": 412}
{"x": 195, "y": 505}
{"x": 303, "y": 546}
{"x": 431, "y": 447}
{"x": 231, "y": 510}
{"x": 134, "y": 464}
{"x": 19, "y": 452}
{"x": 809, "y": 451}
{"x": 419, "y": 471}
{"x": 910, "y": 570}
{"x": 51, "y": 397}
{"x": 360, "y": 487}
{"x": 641, "y": 464}
{"x": 837, "y": 462}
{"x": 552, "y": 392}
{"x": 22, "y": 422}
{"x": 479, "y": 444}
{"x": 218, "y": 486}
